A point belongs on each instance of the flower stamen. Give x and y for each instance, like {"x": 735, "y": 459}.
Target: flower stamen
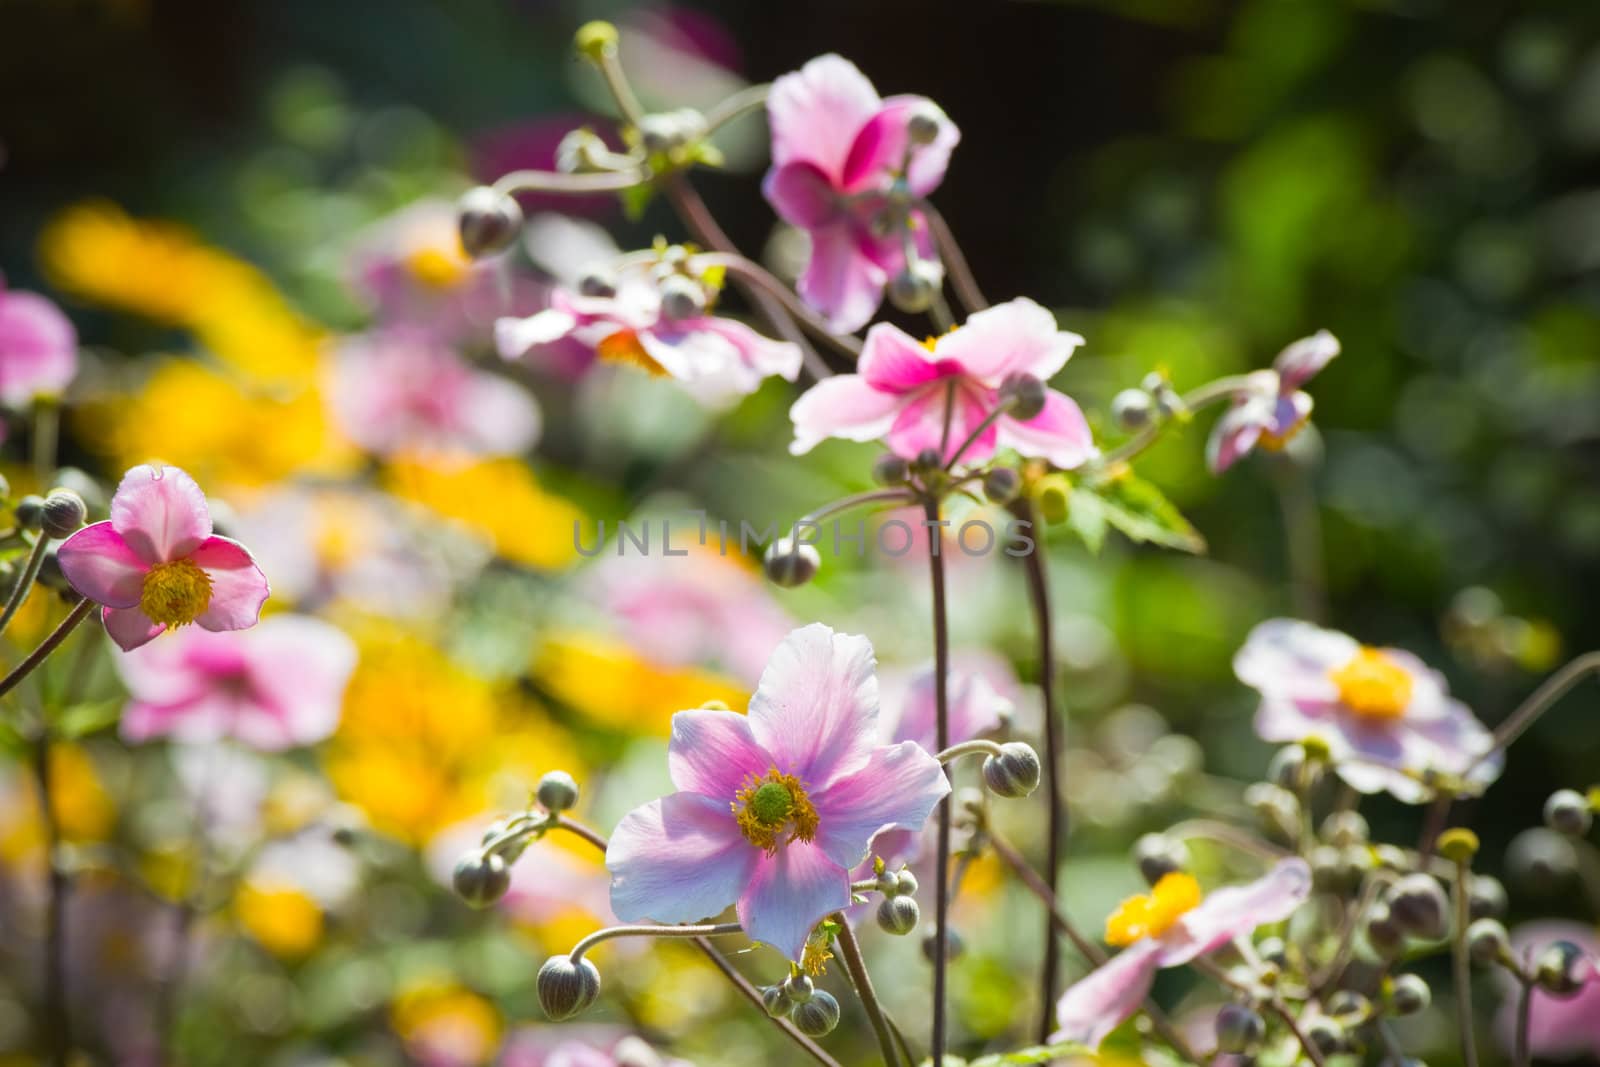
{"x": 175, "y": 593}
{"x": 1373, "y": 685}
{"x": 1153, "y": 914}
{"x": 624, "y": 347}
{"x": 770, "y": 805}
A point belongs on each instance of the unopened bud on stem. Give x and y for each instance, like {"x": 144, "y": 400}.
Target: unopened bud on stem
{"x": 566, "y": 988}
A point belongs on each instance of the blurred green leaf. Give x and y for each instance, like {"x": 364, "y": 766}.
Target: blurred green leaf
{"x": 1036, "y": 1054}
{"x": 1136, "y": 508}
{"x": 91, "y": 717}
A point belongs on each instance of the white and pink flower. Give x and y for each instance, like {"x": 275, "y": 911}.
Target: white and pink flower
{"x": 1273, "y": 408}
{"x": 38, "y": 347}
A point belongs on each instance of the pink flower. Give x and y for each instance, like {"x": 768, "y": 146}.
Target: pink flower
{"x": 903, "y": 387}
{"x": 662, "y": 326}
{"x": 38, "y": 347}
{"x": 1558, "y": 1027}
{"x": 776, "y": 807}
{"x": 274, "y": 687}
{"x": 578, "y": 1046}
{"x": 156, "y": 564}
{"x": 398, "y": 390}
{"x": 845, "y": 170}
{"x": 1272, "y": 409}
{"x": 1386, "y": 719}
{"x": 1169, "y": 927}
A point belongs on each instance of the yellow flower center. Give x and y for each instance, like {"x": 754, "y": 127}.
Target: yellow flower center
{"x": 1154, "y": 913}
{"x": 770, "y": 805}
{"x": 1277, "y": 441}
{"x": 1373, "y": 685}
{"x": 175, "y": 593}
{"x": 624, "y": 347}
{"x": 437, "y": 268}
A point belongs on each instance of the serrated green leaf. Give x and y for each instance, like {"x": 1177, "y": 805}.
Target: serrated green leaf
{"x": 91, "y": 717}
{"x": 1143, "y": 513}
{"x": 1036, "y": 1054}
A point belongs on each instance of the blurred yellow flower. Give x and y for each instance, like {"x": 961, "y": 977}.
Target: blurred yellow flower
{"x": 443, "y": 1022}
{"x": 611, "y": 684}
{"x": 500, "y": 500}
{"x": 83, "y": 807}
{"x": 281, "y": 918}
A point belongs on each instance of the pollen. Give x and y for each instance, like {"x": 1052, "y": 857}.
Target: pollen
{"x": 771, "y": 806}
{"x": 1153, "y": 914}
{"x": 1373, "y": 685}
{"x": 1277, "y": 441}
{"x": 437, "y": 268}
{"x": 175, "y": 593}
{"x": 624, "y": 347}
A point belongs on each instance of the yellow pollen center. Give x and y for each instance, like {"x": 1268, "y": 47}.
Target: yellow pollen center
{"x": 1277, "y": 441}
{"x": 771, "y": 805}
{"x": 1154, "y": 913}
{"x": 437, "y": 268}
{"x": 1373, "y": 685}
{"x": 175, "y": 593}
{"x": 624, "y": 347}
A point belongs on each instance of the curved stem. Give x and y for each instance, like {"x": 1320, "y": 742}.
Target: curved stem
{"x": 1542, "y": 699}
{"x": 25, "y": 580}
{"x": 969, "y": 748}
{"x": 856, "y": 967}
{"x": 1278, "y": 1008}
{"x": 1462, "y": 966}
{"x": 734, "y": 107}
{"x": 1229, "y": 835}
{"x": 1196, "y": 399}
{"x": 80, "y": 611}
{"x": 955, "y": 261}
{"x": 57, "y": 1026}
{"x": 753, "y": 272}
{"x": 575, "y": 827}
{"x": 547, "y": 181}
{"x": 977, "y": 432}
{"x": 611, "y": 933}
{"x": 1330, "y": 973}
{"x": 941, "y": 671}
{"x": 855, "y": 500}
{"x": 617, "y": 82}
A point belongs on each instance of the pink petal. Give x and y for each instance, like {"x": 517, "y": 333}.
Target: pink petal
{"x": 129, "y": 627}
{"x": 514, "y": 338}
{"x": 897, "y": 789}
{"x": 1558, "y": 1027}
{"x": 177, "y": 670}
{"x": 298, "y": 668}
{"x": 1059, "y": 433}
{"x": 102, "y": 567}
{"x": 678, "y": 859}
{"x": 1017, "y": 337}
{"x": 816, "y": 112}
{"x": 203, "y": 718}
{"x": 974, "y": 708}
{"x": 1100, "y": 1002}
{"x": 790, "y": 893}
{"x": 880, "y": 148}
{"x": 238, "y": 588}
{"x": 713, "y": 753}
{"x": 816, "y": 709}
{"x": 160, "y": 512}
{"x": 1303, "y": 359}
{"x": 1237, "y": 432}
{"x": 1290, "y": 658}
{"x": 893, "y": 361}
{"x": 802, "y": 195}
{"x": 921, "y": 422}
{"x": 497, "y": 417}
{"x": 1289, "y": 412}
{"x": 1236, "y": 911}
{"x": 38, "y": 348}
{"x": 842, "y": 280}
{"x": 761, "y": 354}
{"x": 842, "y": 406}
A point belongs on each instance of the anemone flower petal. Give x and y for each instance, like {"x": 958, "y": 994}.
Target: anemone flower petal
{"x": 880, "y": 148}
{"x": 842, "y": 406}
{"x": 893, "y": 361}
{"x": 1290, "y": 658}
{"x": 842, "y": 280}
{"x": 1099, "y": 1002}
{"x": 937, "y": 419}
{"x": 238, "y": 588}
{"x": 789, "y": 893}
{"x": 816, "y": 708}
{"x": 896, "y": 790}
{"x": 1016, "y": 337}
{"x": 713, "y": 753}
{"x": 160, "y": 512}
{"x": 802, "y": 195}
{"x": 1059, "y": 433}
{"x": 677, "y": 859}
{"x": 1303, "y": 359}
{"x": 298, "y": 668}
{"x": 129, "y": 627}
{"x": 102, "y": 566}
{"x": 816, "y": 112}
{"x": 1235, "y": 911}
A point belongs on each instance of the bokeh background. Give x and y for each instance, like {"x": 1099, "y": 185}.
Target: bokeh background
{"x": 1190, "y": 184}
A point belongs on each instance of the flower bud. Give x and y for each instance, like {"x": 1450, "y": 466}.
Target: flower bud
{"x": 1133, "y": 409}
{"x": 1345, "y": 828}
{"x": 1001, "y": 485}
{"x": 1158, "y": 856}
{"x": 596, "y": 39}
{"x": 899, "y": 915}
{"x": 818, "y": 1016}
{"x": 1330, "y": 872}
{"x": 481, "y": 878}
{"x": 682, "y": 298}
{"x": 1409, "y": 995}
{"x": 1279, "y": 809}
{"x": 487, "y": 220}
{"x": 557, "y": 791}
{"x": 1418, "y": 905}
{"x": 929, "y": 459}
{"x": 1347, "y": 1004}
{"x": 906, "y": 883}
{"x": 661, "y": 133}
{"x": 915, "y": 285}
{"x": 1488, "y": 942}
{"x": 30, "y": 511}
{"x": 1541, "y": 860}
{"x": 953, "y": 946}
{"x": 1384, "y": 935}
{"x": 922, "y": 128}
{"x": 1274, "y": 951}
{"x": 798, "y": 988}
{"x": 566, "y": 988}
{"x": 776, "y": 1001}
{"x": 1013, "y": 773}
{"x": 1240, "y": 1030}
{"x": 1326, "y": 1034}
{"x": 1566, "y": 812}
{"x": 890, "y": 469}
{"x": 1486, "y": 897}
{"x": 1293, "y": 769}
{"x": 1053, "y": 496}
{"x": 597, "y": 282}
{"x": 1558, "y": 969}
{"x": 1026, "y": 393}
{"x": 789, "y": 564}
{"x": 62, "y": 513}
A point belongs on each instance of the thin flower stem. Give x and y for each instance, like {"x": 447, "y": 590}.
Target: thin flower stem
{"x": 1462, "y": 965}
{"x": 546, "y": 181}
{"x": 617, "y": 82}
{"x": 977, "y": 432}
{"x": 939, "y": 311}
{"x": 25, "y": 580}
{"x": 1433, "y": 824}
{"x": 80, "y": 611}
{"x": 1302, "y": 534}
{"x": 1331, "y": 972}
{"x": 1201, "y": 397}
{"x": 1543, "y": 698}
{"x": 611, "y": 933}
{"x": 955, "y": 261}
{"x": 749, "y": 270}
{"x": 57, "y": 1025}
{"x": 1524, "y": 1011}
{"x": 941, "y": 670}
{"x": 1225, "y": 834}
{"x": 736, "y": 106}
{"x": 1278, "y": 1008}
{"x": 46, "y": 435}
{"x": 856, "y": 967}
{"x": 970, "y": 748}
{"x": 855, "y": 500}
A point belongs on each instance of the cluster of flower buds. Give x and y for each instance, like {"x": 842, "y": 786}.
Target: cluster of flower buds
{"x": 814, "y": 1012}
{"x": 898, "y": 912}
{"x": 483, "y": 875}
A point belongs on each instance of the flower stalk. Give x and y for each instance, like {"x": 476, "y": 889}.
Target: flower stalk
{"x": 941, "y": 666}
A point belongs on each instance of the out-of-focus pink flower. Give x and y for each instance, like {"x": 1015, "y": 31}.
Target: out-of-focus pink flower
{"x": 775, "y": 808}
{"x": 843, "y": 168}
{"x": 274, "y": 687}
{"x": 1273, "y": 408}
{"x": 399, "y": 390}
{"x": 156, "y": 564}
{"x": 903, "y": 388}
{"x": 664, "y": 327}
{"x": 1169, "y": 927}
{"x": 1385, "y": 717}
{"x": 1559, "y": 1028}
{"x": 570, "y": 1046}
{"x": 38, "y": 347}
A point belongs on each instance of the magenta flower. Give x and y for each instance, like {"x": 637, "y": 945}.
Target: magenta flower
{"x": 774, "y": 808}
{"x": 276, "y": 686}
{"x": 664, "y": 327}
{"x": 1386, "y": 719}
{"x": 903, "y": 387}
{"x": 1273, "y": 408}
{"x": 1559, "y": 1028}
{"x": 1168, "y": 927}
{"x": 38, "y": 347}
{"x": 844, "y": 169}
{"x": 156, "y": 564}
{"x": 399, "y": 389}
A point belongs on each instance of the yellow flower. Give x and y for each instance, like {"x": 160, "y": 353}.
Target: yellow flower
{"x": 1154, "y": 913}
{"x": 457, "y": 1024}
{"x": 281, "y": 918}
{"x": 611, "y": 684}
{"x": 500, "y": 500}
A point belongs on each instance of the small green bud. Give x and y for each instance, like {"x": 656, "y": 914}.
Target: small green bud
{"x": 1026, "y": 394}
{"x": 566, "y": 988}
{"x": 1240, "y": 1031}
{"x": 907, "y": 883}
{"x": 890, "y": 469}
{"x": 798, "y": 988}
{"x": 481, "y": 878}
{"x": 1488, "y": 942}
{"x": 557, "y": 791}
{"x": 1001, "y": 485}
{"x": 1409, "y": 994}
{"x": 1158, "y": 855}
{"x": 30, "y": 511}
{"x": 1417, "y": 903}
{"x": 915, "y": 286}
{"x": 818, "y": 1016}
{"x": 1557, "y": 969}
{"x": 62, "y": 513}
{"x": 1133, "y": 409}
{"x": 1014, "y": 773}
{"x": 899, "y": 915}
{"x": 790, "y": 565}
{"x": 776, "y": 1001}
{"x": 1567, "y": 812}
{"x": 487, "y": 221}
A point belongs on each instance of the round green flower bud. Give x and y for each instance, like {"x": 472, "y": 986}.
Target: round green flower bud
{"x": 776, "y": 1001}
{"x": 906, "y": 883}
{"x": 1488, "y": 942}
{"x": 30, "y": 511}
{"x": 818, "y": 1016}
{"x": 1026, "y": 393}
{"x": 914, "y": 287}
{"x": 566, "y": 988}
{"x": 1240, "y": 1030}
{"x": 1486, "y": 897}
{"x": 1418, "y": 905}
{"x": 798, "y": 988}
{"x": 682, "y": 298}
{"x": 557, "y": 791}
{"x": 1326, "y": 1034}
{"x": 1567, "y": 812}
{"x": 598, "y": 283}
{"x": 922, "y": 128}
{"x": 1133, "y": 409}
{"x": 1014, "y": 773}
{"x": 1557, "y": 969}
{"x": 890, "y": 469}
{"x": 790, "y": 565}
{"x": 62, "y": 513}
{"x": 1409, "y": 995}
{"x": 595, "y": 39}
{"x": 481, "y": 878}
{"x": 1384, "y": 936}
{"x": 1001, "y": 485}
{"x": 487, "y": 220}
{"x": 953, "y": 946}
{"x": 899, "y": 915}
{"x": 1542, "y": 861}
{"x": 1345, "y": 828}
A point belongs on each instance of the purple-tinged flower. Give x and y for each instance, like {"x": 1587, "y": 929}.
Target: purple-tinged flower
{"x": 400, "y": 390}
{"x": 1386, "y": 719}
{"x": 1273, "y": 407}
{"x": 1168, "y": 927}
{"x": 38, "y": 347}
{"x": 156, "y": 564}
{"x": 578, "y": 1046}
{"x": 903, "y": 388}
{"x": 845, "y": 169}
{"x": 1559, "y": 1028}
{"x": 276, "y": 686}
{"x": 662, "y": 325}
{"x": 774, "y": 808}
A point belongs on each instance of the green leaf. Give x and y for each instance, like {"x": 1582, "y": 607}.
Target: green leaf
{"x": 1036, "y": 1054}
{"x": 1086, "y": 517}
{"x": 635, "y": 199}
{"x": 1139, "y": 510}
{"x": 81, "y": 720}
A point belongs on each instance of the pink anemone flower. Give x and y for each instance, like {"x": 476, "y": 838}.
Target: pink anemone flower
{"x": 1273, "y": 407}
{"x": 277, "y": 686}
{"x": 1559, "y": 1028}
{"x": 1168, "y": 927}
{"x": 156, "y": 564}
{"x": 774, "y": 808}
{"x": 904, "y": 388}
{"x": 38, "y": 347}
{"x": 1385, "y": 718}
{"x": 844, "y": 168}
